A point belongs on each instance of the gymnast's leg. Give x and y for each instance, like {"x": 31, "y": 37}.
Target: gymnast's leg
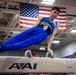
{"x": 35, "y": 36}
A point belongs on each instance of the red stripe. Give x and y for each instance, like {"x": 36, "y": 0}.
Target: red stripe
{"x": 62, "y": 22}
{"x": 61, "y": 30}
{"x": 27, "y": 23}
{"x": 44, "y": 13}
{"x": 62, "y": 8}
{"x": 62, "y": 26}
{"x": 44, "y": 10}
{"x": 24, "y": 27}
{"x": 28, "y": 19}
{"x": 62, "y": 15}
{"x": 60, "y": 18}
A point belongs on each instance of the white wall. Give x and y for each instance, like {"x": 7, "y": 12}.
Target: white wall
{"x": 66, "y": 49}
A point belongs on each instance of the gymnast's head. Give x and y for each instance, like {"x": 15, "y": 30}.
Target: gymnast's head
{"x": 54, "y": 12}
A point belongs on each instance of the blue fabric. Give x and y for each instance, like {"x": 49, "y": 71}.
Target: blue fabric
{"x": 52, "y": 24}
{"x": 55, "y": 23}
{"x": 27, "y": 38}
{"x": 68, "y": 56}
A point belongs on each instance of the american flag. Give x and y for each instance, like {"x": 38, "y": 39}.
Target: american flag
{"x": 29, "y": 14}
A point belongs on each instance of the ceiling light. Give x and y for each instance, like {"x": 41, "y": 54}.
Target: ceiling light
{"x": 48, "y": 2}
{"x": 16, "y": 32}
{"x": 73, "y": 31}
{"x": 56, "y": 41}
{"x": 42, "y": 48}
{"x": 52, "y": 1}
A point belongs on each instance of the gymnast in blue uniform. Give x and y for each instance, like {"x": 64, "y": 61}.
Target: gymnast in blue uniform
{"x": 46, "y": 26}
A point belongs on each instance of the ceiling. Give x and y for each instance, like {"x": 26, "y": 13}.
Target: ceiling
{"x": 9, "y": 21}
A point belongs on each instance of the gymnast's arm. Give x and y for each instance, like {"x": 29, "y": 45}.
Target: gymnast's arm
{"x": 38, "y": 21}
{"x": 51, "y": 38}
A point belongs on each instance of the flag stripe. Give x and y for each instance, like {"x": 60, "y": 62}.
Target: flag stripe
{"x": 27, "y": 19}
{"x": 62, "y": 27}
{"x": 25, "y": 25}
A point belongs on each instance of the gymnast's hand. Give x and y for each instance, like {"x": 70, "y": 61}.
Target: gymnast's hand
{"x": 50, "y": 51}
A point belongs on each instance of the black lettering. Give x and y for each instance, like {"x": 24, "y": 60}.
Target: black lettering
{"x": 27, "y": 65}
{"x": 14, "y": 65}
{"x": 35, "y": 66}
{"x": 23, "y": 65}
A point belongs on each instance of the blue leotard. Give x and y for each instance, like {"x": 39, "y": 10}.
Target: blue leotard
{"x": 48, "y": 25}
